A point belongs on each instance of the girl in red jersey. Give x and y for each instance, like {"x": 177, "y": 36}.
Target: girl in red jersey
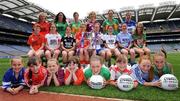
{"x": 119, "y": 69}
{"x": 35, "y": 75}
{"x": 74, "y": 72}
{"x": 82, "y": 44}
{"x": 36, "y": 42}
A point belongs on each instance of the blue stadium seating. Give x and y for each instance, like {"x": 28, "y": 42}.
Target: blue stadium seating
{"x": 14, "y": 24}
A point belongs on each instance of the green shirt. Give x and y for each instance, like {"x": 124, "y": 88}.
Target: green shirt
{"x": 75, "y": 27}
{"x": 114, "y": 24}
{"x": 139, "y": 39}
{"x": 104, "y": 73}
{"x": 61, "y": 28}
{"x": 165, "y": 70}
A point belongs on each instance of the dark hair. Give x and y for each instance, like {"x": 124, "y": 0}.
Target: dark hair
{"x": 64, "y": 17}
{"x": 110, "y": 11}
{"x": 75, "y": 59}
{"x": 31, "y": 61}
{"x": 75, "y": 14}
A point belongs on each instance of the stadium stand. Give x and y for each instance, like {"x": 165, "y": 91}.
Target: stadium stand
{"x": 161, "y": 23}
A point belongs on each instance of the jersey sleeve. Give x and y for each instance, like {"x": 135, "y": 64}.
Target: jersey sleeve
{"x": 88, "y": 73}
{"x": 80, "y": 77}
{"x": 6, "y": 83}
{"x": 136, "y": 74}
{"x": 106, "y": 73}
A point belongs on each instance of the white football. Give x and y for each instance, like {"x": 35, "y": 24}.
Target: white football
{"x": 169, "y": 82}
{"x": 125, "y": 82}
{"x": 96, "y": 82}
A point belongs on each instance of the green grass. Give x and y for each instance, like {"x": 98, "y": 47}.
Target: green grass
{"x": 140, "y": 93}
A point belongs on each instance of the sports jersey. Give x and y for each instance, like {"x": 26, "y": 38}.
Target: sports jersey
{"x": 131, "y": 25}
{"x": 36, "y": 41}
{"x": 44, "y": 27}
{"x": 68, "y": 42}
{"x": 9, "y": 79}
{"x": 116, "y": 72}
{"x": 53, "y": 40}
{"x": 165, "y": 70}
{"x": 139, "y": 40}
{"x": 104, "y": 72}
{"x": 110, "y": 40}
{"x": 125, "y": 39}
{"x": 82, "y": 38}
{"x": 61, "y": 28}
{"x": 114, "y": 24}
{"x": 79, "y": 74}
{"x": 141, "y": 76}
{"x": 90, "y": 26}
{"x": 37, "y": 78}
{"x": 75, "y": 27}
{"x": 60, "y": 76}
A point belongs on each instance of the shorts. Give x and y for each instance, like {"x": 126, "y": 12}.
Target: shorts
{"x": 98, "y": 51}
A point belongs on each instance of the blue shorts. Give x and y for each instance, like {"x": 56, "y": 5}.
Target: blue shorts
{"x": 98, "y": 51}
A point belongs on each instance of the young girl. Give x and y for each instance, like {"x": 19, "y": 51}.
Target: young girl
{"x": 52, "y": 42}
{"x": 160, "y": 65}
{"x": 124, "y": 40}
{"x": 54, "y": 73}
{"x": 82, "y": 44}
{"x": 96, "y": 46}
{"x": 139, "y": 40}
{"x": 73, "y": 72}
{"x": 97, "y": 68}
{"x": 36, "y": 42}
{"x": 119, "y": 69}
{"x": 110, "y": 44}
{"x": 13, "y": 80}
{"x": 35, "y": 75}
{"x": 143, "y": 72}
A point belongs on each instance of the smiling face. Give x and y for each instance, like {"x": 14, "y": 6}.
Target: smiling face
{"x": 110, "y": 13}
{"x": 52, "y": 66}
{"x": 68, "y": 31}
{"x": 159, "y": 62}
{"x": 60, "y": 17}
{"x": 145, "y": 65}
{"x": 16, "y": 65}
{"x": 96, "y": 67}
{"x": 36, "y": 28}
{"x": 124, "y": 27}
{"x": 53, "y": 28}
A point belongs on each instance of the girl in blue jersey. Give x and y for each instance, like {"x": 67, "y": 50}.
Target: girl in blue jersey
{"x": 125, "y": 42}
{"x": 13, "y": 80}
{"x": 143, "y": 72}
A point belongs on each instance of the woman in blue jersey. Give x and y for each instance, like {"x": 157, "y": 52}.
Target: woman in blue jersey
{"x": 13, "y": 80}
